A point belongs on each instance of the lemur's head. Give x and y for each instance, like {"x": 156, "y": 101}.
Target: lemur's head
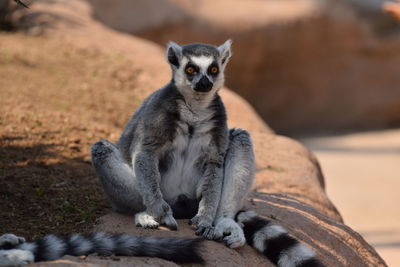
{"x": 198, "y": 68}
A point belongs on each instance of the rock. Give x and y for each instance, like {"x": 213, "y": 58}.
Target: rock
{"x": 242, "y": 115}
{"x": 289, "y": 183}
{"x": 287, "y": 168}
{"x": 76, "y": 26}
{"x": 295, "y": 60}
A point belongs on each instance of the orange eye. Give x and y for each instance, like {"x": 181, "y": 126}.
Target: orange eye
{"x": 214, "y": 70}
{"x": 190, "y": 70}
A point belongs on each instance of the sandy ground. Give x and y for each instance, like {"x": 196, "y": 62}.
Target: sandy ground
{"x": 362, "y": 172}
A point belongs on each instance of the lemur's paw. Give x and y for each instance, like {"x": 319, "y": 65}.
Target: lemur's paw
{"x": 169, "y": 222}
{"x": 159, "y": 210}
{"x": 203, "y": 226}
{"x": 15, "y": 257}
{"x": 101, "y": 150}
{"x": 200, "y": 219}
{"x": 206, "y": 232}
{"x": 11, "y": 240}
{"x": 145, "y": 220}
{"x": 228, "y": 231}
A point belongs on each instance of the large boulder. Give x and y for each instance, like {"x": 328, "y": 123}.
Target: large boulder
{"x": 72, "y": 22}
{"x": 289, "y": 184}
{"x": 304, "y": 65}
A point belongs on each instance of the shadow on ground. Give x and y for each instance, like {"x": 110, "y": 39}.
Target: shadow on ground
{"x": 43, "y": 191}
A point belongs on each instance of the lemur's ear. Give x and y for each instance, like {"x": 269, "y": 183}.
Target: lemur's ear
{"x": 225, "y": 51}
{"x": 174, "y": 53}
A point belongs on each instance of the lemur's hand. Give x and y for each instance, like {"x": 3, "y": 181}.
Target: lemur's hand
{"x": 203, "y": 224}
{"x": 162, "y": 213}
{"x": 159, "y": 209}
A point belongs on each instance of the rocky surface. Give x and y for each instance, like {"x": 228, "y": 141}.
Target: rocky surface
{"x": 295, "y": 60}
{"x": 75, "y": 25}
{"x": 289, "y": 183}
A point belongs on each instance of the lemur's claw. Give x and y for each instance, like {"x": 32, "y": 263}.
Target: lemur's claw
{"x": 203, "y": 226}
{"x": 209, "y": 233}
{"x": 196, "y": 220}
{"x": 205, "y": 231}
{"x": 200, "y": 230}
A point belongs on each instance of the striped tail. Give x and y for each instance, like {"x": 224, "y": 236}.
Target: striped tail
{"x": 52, "y": 247}
{"x": 274, "y": 242}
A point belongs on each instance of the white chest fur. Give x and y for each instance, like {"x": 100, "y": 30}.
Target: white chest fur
{"x": 186, "y": 154}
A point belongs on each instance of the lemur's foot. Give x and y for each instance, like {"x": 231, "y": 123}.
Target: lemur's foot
{"x": 15, "y": 257}
{"x": 229, "y": 231}
{"x": 142, "y": 219}
{"x": 169, "y": 221}
{"x": 11, "y": 240}
{"x": 203, "y": 226}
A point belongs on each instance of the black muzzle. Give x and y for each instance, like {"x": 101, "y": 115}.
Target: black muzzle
{"x": 204, "y": 85}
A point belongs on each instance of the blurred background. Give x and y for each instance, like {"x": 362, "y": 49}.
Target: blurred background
{"x": 325, "y": 72}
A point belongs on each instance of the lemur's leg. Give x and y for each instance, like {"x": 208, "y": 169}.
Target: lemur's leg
{"x": 238, "y": 178}
{"x": 116, "y": 177}
{"x": 120, "y": 185}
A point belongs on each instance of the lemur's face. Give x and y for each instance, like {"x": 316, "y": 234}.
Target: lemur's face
{"x": 198, "y": 68}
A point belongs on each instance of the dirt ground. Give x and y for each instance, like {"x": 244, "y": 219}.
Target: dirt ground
{"x": 52, "y": 108}
{"x": 362, "y": 172}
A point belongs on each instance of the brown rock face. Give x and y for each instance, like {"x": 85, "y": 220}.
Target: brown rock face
{"x": 289, "y": 183}
{"x": 286, "y": 167}
{"x": 304, "y": 65}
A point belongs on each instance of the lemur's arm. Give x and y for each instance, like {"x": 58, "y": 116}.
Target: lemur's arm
{"x": 209, "y": 190}
{"x": 148, "y": 177}
{"x": 156, "y": 132}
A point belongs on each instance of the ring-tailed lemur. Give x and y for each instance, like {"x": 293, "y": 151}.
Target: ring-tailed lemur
{"x": 177, "y": 158}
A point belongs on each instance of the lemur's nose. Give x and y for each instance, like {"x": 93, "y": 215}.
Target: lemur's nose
{"x": 204, "y": 85}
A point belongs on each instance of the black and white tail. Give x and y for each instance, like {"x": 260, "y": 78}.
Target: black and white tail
{"x": 274, "y": 242}
{"x": 270, "y": 239}
{"x": 14, "y": 251}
